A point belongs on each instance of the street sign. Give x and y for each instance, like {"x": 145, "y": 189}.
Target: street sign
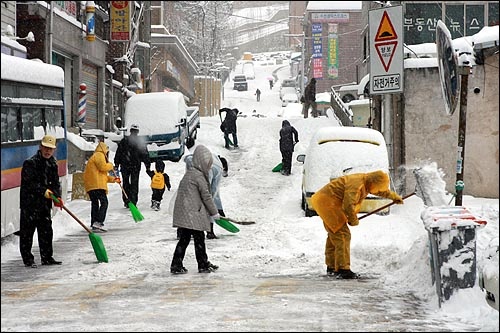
{"x": 386, "y": 50}
{"x": 447, "y": 64}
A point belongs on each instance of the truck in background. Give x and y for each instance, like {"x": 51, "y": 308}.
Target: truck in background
{"x": 165, "y": 122}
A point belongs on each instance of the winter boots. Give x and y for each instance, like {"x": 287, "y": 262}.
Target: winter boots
{"x": 341, "y": 273}
{"x": 178, "y": 270}
{"x": 155, "y": 204}
{"x": 208, "y": 268}
{"x": 210, "y": 234}
{"x": 346, "y": 274}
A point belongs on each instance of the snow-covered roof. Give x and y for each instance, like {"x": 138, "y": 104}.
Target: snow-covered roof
{"x": 31, "y": 71}
{"x": 425, "y": 55}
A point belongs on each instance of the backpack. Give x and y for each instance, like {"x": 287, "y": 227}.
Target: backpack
{"x": 223, "y": 126}
{"x": 158, "y": 181}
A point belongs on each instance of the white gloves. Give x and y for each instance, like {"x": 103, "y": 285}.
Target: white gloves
{"x": 216, "y": 216}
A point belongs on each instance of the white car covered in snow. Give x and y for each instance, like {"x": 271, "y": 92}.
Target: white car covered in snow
{"x": 488, "y": 277}
{"x": 331, "y": 155}
{"x": 289, "y": 98}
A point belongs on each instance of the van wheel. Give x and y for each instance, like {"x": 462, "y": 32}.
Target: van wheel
{"x": 309, "y": 212}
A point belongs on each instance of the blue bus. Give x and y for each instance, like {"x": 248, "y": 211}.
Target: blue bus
{"x": 32, "y": 101}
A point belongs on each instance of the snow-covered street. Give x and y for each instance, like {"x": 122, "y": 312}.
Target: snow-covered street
{"x": 272, "y": 275}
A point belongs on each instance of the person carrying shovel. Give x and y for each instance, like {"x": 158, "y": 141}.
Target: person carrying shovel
{"x": 337, "y": 203}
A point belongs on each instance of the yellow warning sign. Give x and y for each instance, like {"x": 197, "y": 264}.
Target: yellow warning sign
{"x": 385, "y": 30}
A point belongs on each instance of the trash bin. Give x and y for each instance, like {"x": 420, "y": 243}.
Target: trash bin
{"x": 452, "y": 238}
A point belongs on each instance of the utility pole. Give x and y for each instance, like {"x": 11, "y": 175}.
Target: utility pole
{"x": 464, "y": 70}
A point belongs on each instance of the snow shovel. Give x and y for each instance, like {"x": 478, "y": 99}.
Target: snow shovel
{"x": 225, "y": 224}
{"x": 385, "y": 206}
{"x": 136, "y": 214}
{"x": 425, "y": 178}
{"x": 237, "y": 222}
{"x": 95, "y": 240}
{"x": 278, "y": 167}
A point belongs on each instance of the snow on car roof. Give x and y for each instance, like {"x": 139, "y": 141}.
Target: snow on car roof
{"x": 156, "y": 112}
{"x": 348, "y": 133}
{"x": 337, "y": 151}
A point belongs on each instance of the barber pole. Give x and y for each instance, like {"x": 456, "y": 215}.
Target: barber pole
{"x": 82, "y": 104}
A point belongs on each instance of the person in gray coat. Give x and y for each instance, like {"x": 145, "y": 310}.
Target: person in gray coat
{"x": 193, "y": 209}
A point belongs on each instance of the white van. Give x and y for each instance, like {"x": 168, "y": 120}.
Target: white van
{"x": 336, "y": 151}
{"x": 162, "y": 120}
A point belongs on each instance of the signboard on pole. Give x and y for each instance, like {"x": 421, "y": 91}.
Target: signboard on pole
{"x": 386, "y": 50}
{"x": 120, "y": 21}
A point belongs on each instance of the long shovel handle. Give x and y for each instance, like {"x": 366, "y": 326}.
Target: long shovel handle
{"x": 385, "y": 206}
{"x": 121, "y": 186}
{"x": 116, "y": 176}
{"x": 72, "y": 215}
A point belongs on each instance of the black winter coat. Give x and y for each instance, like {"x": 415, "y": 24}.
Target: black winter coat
{"x": 230, "y": 121}
{"x": 310, "y": 91}
{"x": 37, "y": 175}
{"x": 288, "y": 136}
{"x": 131, "y": 152}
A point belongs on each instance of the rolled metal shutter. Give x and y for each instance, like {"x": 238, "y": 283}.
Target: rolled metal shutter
{"x": 89, "y": 76}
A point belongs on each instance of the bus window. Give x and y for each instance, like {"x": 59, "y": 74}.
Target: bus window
{"x": 12, "y": 126}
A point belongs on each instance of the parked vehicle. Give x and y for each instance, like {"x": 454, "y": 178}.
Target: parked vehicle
{"x": 336, "y": 151}
{"x": 163, "y": 122}
{"x": 488, "y": 278}
{"x": 32, "y": 106}
{"x": 288, "y": 86}
{"x": 240, "y": 82}
{"x": 248, "y": 70}
{"x": 289, "y": 98}
{"x": 193, "y": 121}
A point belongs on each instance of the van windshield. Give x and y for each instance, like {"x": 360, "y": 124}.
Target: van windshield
{"x": 288, "y": 83}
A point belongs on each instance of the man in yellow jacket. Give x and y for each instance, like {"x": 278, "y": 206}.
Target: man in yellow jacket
{"x": 338, "y": 203}
{"x": 96, "y": 178}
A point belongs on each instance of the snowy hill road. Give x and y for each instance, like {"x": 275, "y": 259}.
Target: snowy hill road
{"x": 51, "y": 298}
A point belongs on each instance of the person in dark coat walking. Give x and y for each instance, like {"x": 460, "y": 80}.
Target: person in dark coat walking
{"x": 257, "y": 92}
{"x": 159, "y": 181}
{"x": 229, "y": 126}
{"x": 310, "y": 99}
{"x": 39, "y": 181}
{"x": 288, "y": 138}
{"x": 193, "y": 210}
{"x": 130, "y": 153}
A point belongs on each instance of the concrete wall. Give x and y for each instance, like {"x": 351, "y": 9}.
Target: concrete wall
{"x": 430, "y": 134}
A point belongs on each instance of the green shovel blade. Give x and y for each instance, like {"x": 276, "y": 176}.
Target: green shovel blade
{"x": 225, "y": 224}
{"x": 136, "y": 214}
{"x": 278, "y": 167}
{"x": 99, "y": 249}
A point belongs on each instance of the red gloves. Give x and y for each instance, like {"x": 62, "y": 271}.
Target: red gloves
{"x": 58, "y": 203}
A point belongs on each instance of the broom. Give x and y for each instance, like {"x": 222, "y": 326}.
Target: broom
{"x": 136, "y": 214}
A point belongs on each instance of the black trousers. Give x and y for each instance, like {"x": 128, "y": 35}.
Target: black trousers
{"x": 199, "y": 247}
{"x": 99, "y": 206}
{"x": 130, "y": 181}
{"x": 286, "y": 159}
{"x": 157, "y": 194}
{"x": 43, "y": 225}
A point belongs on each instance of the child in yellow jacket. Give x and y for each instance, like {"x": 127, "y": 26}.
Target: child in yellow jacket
{"x": 159, "y": 181}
